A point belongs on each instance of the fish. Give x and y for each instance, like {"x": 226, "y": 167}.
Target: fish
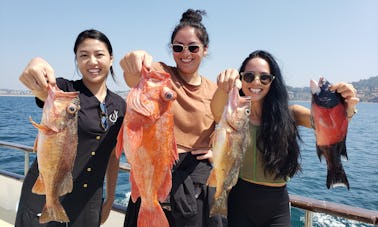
{"x": 229, "y": 143}
{"x": 147, "y": 139}
{"x": 56, "y": 147}
{"x": 330, "y": 123}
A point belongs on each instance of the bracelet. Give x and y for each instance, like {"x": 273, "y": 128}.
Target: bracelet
{"x": 354, "y": 112}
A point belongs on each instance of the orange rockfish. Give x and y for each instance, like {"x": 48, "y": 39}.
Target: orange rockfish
{"x": 230, "y": 141}
{"x": 56, "y": 147}
{"x": 148, "y": 140}
{"x": 330, "y": 122}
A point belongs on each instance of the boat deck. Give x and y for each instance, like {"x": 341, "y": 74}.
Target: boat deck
{"x": 11, "y": 187}
{"x": 10, "y": 194}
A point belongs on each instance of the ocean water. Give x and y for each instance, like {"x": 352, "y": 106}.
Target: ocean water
{"x": 361, "y": 168}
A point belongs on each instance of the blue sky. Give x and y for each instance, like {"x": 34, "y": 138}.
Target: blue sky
{"x": 337, "y": 39}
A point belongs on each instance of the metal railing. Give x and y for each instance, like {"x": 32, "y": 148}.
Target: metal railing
{"x": 309, "y": 205}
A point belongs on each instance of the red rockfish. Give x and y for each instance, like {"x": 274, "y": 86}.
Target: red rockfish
{"x": 330, "y": 122}
{"x": 148, "y": 140}
{"x": 56, "y": 147}
{"x": 230, "y": 141}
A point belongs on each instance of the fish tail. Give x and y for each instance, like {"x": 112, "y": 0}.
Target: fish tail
{"x": 337, "y": 178}
{"x": 165, "y": 187}
{"x": 39, "y": 186}
{"x": 55, "y": 212}
{"x": 152, "y": 216}
{"x": 219, "y": 205}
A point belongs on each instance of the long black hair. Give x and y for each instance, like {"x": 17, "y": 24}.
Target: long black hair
{"x": 95, "y": 34}
{"x": 278, "y": 140}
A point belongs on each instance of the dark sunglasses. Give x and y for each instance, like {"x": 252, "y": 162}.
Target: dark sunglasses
{"x": 265, "y": 79}
{"x": 104, "y": 116}
{"x": 193, "y": 48}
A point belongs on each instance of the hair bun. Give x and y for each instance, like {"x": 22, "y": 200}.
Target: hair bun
{"x": 192, "y": 16}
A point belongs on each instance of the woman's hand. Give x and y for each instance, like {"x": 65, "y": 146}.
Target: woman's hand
{"x": 36, "y": 76}
{"x": 227, "y": 79}
{"x": 203, "y": 154}
{"x": 349, "y": 93}
{"x": 132, "y": 64}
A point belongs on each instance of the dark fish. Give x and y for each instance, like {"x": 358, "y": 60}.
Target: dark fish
{"x": 329, "y": 119}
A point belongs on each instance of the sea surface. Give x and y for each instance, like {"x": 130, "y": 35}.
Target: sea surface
{"x": 361, "y": 168}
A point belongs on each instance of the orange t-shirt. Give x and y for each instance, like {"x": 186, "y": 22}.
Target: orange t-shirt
{"x": 194, "y": 122}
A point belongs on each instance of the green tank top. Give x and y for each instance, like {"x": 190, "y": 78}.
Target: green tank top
{"x": 252, "y": 168}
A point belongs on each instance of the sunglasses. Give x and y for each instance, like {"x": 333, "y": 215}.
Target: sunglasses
{"x": 249, "y": 77}
{"x": 178, "y": 48}
{"x": 104, "y": 116}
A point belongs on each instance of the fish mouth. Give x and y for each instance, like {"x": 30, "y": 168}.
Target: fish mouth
{"x": 315, "y": 89}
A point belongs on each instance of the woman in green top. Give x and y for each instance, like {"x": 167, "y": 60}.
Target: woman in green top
{"x": 260, "y": 197}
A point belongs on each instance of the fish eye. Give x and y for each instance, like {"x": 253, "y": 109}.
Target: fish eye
{"x": 247, "y": 112}
{"x": 71, "y": 108}
{"x": 168, "y": 95}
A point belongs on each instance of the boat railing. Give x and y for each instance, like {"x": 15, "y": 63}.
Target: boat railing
{"x": 309, "y": 205}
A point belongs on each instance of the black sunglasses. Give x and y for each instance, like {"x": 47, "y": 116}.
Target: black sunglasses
{"x": 193, "y": 48}
{"x": 265, "y": 79}
{"x": 104, "y": 116}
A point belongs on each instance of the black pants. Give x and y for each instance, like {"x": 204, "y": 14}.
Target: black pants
{"x": 175, "y": 219}
{"x": 255, "y": 205}
{"x": 189, "y": 196}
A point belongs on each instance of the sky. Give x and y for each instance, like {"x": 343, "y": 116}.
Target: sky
{"x": 337, "y": 39}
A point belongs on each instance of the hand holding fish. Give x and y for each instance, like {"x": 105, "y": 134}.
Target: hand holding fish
{"x": 203, "y": 154}
{"x": 132, "y": 64}
{"x": 349, "y": 93}
{"x": 36, "y": 76}
{"x": 226, "y": 80}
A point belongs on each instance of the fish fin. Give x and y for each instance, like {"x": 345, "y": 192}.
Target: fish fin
{"x": 151, "y": 215}
{"x": 39, "y": 186}
{"x": 336, "y": 178}
{"x": 212, "y": 180}
{"x": 219, "y": 204}
{"x": 134, "y": 135}
{"x": 43, "y": 128}
{"x": 320, "y": 153}
{"x": 136, "y": 101}
{"x": 165, "y": 187}
{"x": 53, "y": 213}
{"x": 135, "y": 194}
{"x": 119, "y": 145}
{"x": 66, "y": 185}
{"x": 35, "y": 147}
{"x": 343, "y": 151}
{"x": 174, "y": 151}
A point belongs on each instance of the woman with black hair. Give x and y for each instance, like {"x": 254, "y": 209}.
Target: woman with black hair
{"x": 260, "y": 197}
{"x": 99, "y": 120}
